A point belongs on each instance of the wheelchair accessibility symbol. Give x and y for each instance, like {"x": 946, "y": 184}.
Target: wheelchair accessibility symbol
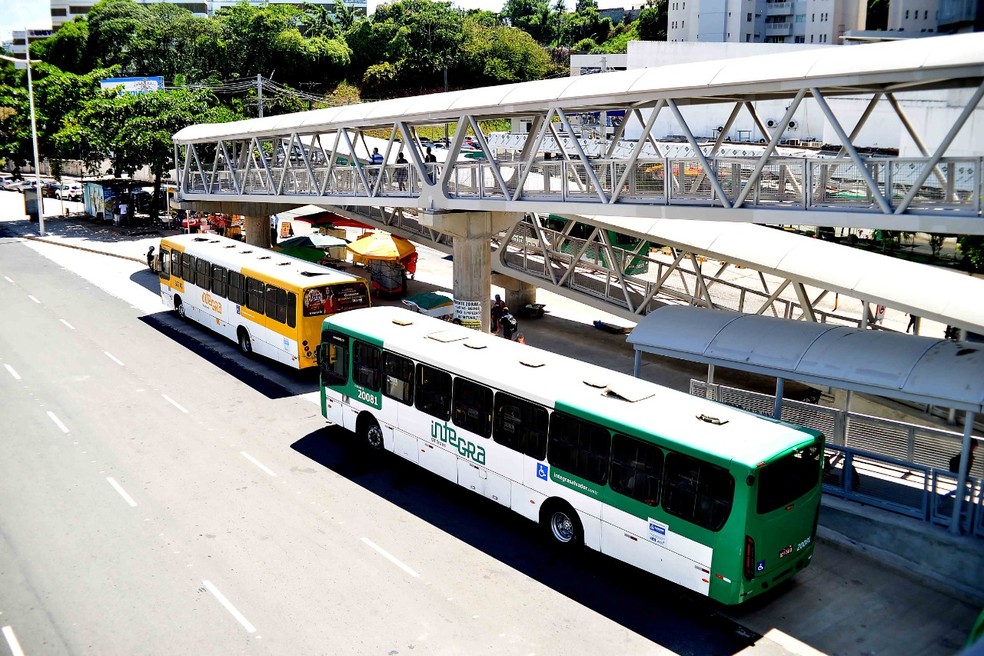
{"x": 541, "y": 471}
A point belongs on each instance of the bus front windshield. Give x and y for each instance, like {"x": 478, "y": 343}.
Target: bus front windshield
{"x": 789, "y": 478}
{"x": 328, "y": 299}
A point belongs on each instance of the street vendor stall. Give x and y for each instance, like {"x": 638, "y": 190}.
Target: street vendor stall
{"x": 388, "y": 258}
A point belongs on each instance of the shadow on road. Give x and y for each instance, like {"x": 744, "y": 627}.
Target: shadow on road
{"x": 660, "y": 611}
{"x": 269, "y": 378}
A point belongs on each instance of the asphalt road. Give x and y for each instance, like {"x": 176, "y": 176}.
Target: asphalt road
{"x": 161, "y": 494}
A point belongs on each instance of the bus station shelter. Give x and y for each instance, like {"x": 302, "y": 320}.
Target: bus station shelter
{"x": 925, "y": 370}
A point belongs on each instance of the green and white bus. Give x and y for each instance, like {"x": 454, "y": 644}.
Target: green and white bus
{"x": 715, "y": 499}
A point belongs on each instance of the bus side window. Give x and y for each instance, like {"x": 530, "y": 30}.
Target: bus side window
{"x": 366, "y": 361}
{"x": 188, "y": 268}
{"x": 520, "y": 425}
{"x": 220, "y": 280}
{"x": 697, "y": 491}
{"x": 276, "y": 303}
{"x": 399, "y": 377}
{"x": 204, "y": 274}
{"x": 433, "y": 392}
{"x": 292, "y": 309}
{"x": 637, "y": 469}
{"x": 237, "y": 288}
{"x": 164, "y": 272}
{"x": 472, "y": 407}
{"x": 579, "y": 447}
{"x": 333, "y": 358}
{"x": 254, "y": 295}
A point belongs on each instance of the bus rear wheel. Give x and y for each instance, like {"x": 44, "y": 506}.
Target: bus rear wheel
{"x": 371, "y": 434}
{"x": 562, "y": 524}
{"x": 245, "y": 345}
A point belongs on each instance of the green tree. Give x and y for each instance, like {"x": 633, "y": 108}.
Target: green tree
{"x": 136, "y": 130}
{"x": 114, "y": 26}
{"x": 972, "y": 249}
{"x": 651, "y": 24}
{"x": 498, "y": 55}
{"x": 165, "y": 42}
{"x": 67, "y": 48}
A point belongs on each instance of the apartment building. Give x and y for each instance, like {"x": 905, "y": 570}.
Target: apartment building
{"x": 764, "y": 21}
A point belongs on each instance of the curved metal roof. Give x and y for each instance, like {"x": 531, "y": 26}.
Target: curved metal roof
{"x": 921, "y": 369}
{"x": 906, "y": 64}
{"x": 930, "y": 292}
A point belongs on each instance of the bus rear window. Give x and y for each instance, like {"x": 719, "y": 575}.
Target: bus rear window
{"x": 788, "y": 478}
{"x": 335, "y": 298}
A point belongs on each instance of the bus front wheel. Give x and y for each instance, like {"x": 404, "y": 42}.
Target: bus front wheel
{"x": 180, "y": 308}
{"x": 562, "y": 523}
{"x": 245, "y": 345}
{"x": 371, "y": 434}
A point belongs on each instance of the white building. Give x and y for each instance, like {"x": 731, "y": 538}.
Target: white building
{"x": 763, "y": 21}
{"x": 913, "y": 16}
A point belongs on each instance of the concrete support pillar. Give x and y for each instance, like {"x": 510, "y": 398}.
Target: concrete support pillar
{"x": 471, "y": 232}
{"x": 518, "y": 293}
{"x": 258, "y": 231}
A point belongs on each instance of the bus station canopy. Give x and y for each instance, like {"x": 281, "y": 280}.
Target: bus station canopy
{"x": 921, "y": 369}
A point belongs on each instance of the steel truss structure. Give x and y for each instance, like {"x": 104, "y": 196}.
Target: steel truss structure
{"x": 324, "y": 156}
{"x": 632, "y": 279}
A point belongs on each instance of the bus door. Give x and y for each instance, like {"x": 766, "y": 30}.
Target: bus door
{"x": 333, "y": 364}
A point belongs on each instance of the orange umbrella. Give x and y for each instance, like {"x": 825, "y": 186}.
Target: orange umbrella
{"x": 381, "y": 246}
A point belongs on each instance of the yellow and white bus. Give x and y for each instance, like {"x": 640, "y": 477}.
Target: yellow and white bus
{"x": 270, "y": 304}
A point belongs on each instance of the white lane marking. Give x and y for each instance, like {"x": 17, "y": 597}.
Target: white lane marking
{"x": 390, "y": 557}
{"x": 259, "y": 464}
{"x": 7, "y": 278}
{"x": 174, "y": 403}
{"x": 34, "y": 299}
{"x": 113, "y": 358}
{"x": 8, "y": 633}
{"x": 228, "y": 606}
{"x": 57, "y": 421}
{"x": 119, "y": 488}
{"x": 12, "y": 372}
{"x": 70, "y": 326}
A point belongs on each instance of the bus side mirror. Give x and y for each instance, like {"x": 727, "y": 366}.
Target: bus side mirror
{"x": 321, "y": 354}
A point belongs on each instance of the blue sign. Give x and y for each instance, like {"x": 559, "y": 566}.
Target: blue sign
{"x": 133, "y": 84}
{"x": 760, "y": 566}
{"x": 541, "y": 471}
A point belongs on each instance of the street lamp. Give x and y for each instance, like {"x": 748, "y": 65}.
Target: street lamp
{"x": 34, "y": 128}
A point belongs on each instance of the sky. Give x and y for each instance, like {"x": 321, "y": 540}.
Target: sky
{"x": 20, "y": 14}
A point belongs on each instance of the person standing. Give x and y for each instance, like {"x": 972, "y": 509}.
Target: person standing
{"x": 913, "y": 323}
{"x": 498, "y": 307}
{"x": 429, "y": 160}
{"x": 401, "y": 171}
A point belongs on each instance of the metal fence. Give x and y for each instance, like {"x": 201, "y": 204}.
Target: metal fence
{"x": 893, "y": 465}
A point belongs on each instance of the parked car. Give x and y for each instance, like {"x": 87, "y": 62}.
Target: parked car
{"x": 69, "y": 191}
{"x": 49, "y": 188}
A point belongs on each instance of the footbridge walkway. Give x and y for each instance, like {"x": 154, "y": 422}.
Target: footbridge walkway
{"x": 325, "y": 156}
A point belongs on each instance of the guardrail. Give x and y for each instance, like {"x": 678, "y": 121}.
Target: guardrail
{"x": 877, "y": 185}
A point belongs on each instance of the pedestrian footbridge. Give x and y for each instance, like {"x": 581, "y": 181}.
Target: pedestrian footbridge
{"x": 556, "y": 164}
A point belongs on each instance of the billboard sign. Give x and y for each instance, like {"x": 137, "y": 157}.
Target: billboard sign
{"x": 133, "y": 84}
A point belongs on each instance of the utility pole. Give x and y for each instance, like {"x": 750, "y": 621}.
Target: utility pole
{"x": 259, "y": 94}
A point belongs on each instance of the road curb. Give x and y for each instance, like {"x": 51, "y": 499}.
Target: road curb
{"x": 82, "y": 248}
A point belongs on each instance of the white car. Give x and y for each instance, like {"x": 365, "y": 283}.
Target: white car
{"x": 69, "y": 192}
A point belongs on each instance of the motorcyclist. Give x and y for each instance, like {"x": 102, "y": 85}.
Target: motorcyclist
{"x": 150, "y": 258}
